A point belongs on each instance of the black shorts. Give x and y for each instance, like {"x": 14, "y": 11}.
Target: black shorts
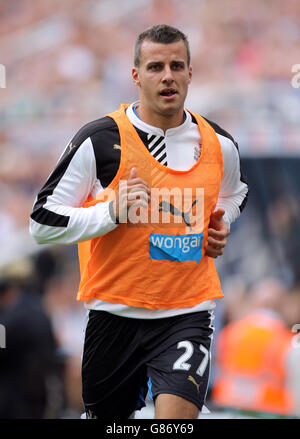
{"x": 121, "y": 355}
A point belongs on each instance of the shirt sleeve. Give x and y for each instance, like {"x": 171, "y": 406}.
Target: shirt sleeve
{"x": 58, "y": 216}
{"x": 234, "y": 189}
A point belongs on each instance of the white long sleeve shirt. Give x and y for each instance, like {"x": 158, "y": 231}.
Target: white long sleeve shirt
{"x": 88, "y": 165}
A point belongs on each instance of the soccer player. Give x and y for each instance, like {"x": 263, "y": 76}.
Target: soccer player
{"x": 148, "y": 192}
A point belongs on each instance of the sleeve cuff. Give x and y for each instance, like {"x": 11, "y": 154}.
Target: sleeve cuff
{"x": 112, "y": 214}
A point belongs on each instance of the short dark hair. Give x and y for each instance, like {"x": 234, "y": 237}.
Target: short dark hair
{"x": 160, "y": 33}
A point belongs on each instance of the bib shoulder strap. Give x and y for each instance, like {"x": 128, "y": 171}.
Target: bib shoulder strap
{"x": 118, "y": 113}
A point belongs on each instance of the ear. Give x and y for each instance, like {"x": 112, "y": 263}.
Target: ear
{"x": 135, "y": 76}
{"x": 190, "y": 74}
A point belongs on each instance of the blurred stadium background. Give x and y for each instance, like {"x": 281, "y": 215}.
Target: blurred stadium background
{"x": 69, "y": 62}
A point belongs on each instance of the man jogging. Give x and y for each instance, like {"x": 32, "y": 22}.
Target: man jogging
{"x": 148, "y": 192}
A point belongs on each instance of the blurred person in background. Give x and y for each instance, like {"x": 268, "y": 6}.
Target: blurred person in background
{"x": 68, "y": 318}
{"x": 252, "y": 354}
{"x": 234, "y": 305}
{"x": 28, "y": 362}
{"x": 291, "y": 311}
{"x": 150, "y": 306}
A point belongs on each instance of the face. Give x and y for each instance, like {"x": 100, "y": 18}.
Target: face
{"x": 163, "y": 78}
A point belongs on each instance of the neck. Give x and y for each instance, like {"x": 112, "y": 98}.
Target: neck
{"x": 162, "y": 121}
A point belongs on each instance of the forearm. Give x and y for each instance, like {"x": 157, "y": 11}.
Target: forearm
{"x": 233, "y": 190}
{"x": 232, "y": 205}
{"x": 82, "y": 224}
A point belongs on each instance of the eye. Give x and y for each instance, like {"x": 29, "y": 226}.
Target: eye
{"x": 154, "y": 67}
{"x": 177, "y": 66}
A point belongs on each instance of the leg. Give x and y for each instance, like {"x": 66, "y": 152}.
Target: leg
{"x": 179, "y": 373}
{"x": 169, "y": 406}
{"x": 112, "y": 376}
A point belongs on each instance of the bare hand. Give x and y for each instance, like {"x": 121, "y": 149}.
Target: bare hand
{"x": 218, "y": 233}
{"x": 135, "y": 192}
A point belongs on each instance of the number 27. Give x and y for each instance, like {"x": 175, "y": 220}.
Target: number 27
{"x": 181, "y": 362}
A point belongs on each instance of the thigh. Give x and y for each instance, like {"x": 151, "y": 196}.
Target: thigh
{"x": 112, "y": 375}
{"x": 182, "y": 367}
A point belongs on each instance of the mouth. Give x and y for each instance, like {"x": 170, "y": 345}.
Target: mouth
{"x": 168, "y": 93}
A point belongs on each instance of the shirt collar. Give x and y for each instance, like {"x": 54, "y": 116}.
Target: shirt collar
{"x": 138, "y": 123}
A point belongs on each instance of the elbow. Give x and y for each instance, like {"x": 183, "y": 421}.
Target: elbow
{"x": 38, "y": 232}
{"x": 35, "y": 232}
{"x": 43, "y": 234}
{"x": 39, "y": 239}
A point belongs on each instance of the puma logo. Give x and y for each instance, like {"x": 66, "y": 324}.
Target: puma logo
{"x": 116, "y": 146}
{"x": 168, "y": 207}
{"x": 192, "y": 379}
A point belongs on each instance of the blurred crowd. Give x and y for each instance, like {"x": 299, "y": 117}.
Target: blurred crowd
{"x": 257, "y": 349}
{"x": 69, "y": 62}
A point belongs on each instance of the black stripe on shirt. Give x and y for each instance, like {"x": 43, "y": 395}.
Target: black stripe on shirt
{"x": 105, "y": 126}
{"x": 39, "y": 213}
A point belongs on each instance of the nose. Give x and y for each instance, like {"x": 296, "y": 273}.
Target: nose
{"x": 167, "y": 75}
